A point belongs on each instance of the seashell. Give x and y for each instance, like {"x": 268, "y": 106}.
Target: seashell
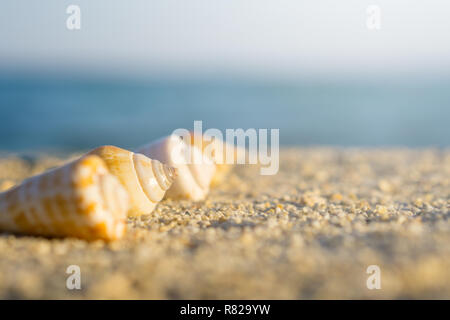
{"x": 216, "y": 151}
{"x": 146, "y": 180}
{"x": 195, "y": 172}
{"x": 81, "y": 199}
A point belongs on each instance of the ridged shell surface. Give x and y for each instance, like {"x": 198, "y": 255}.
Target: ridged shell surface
{"x": 81, "y": 199}
{"x": 145, "y": 180}
{"x": 195, "y": 172}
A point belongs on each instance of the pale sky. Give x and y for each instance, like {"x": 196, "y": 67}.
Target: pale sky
{"x": 231, "y": 36}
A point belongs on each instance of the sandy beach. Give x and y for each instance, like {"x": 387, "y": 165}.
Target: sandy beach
{"x": 308, "y": 232}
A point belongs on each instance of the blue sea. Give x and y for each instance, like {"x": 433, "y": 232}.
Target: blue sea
{"x": 64, "y": 113}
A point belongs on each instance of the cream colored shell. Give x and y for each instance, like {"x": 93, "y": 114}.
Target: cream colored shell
{"x": 81, "y": 199}
{"x": 195, "y": 172}
{"x": 217, "y": 150}
{"x": 145, "y": 180}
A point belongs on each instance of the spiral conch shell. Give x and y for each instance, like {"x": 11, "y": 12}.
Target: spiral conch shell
{"x": 145, "y": 180}
{"x": 81, "y": 199}
{"x": 216, "y": 150}
{"x": 195, "y": 172}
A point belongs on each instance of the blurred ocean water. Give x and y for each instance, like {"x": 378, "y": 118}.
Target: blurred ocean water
{"x": 72, "y": 114}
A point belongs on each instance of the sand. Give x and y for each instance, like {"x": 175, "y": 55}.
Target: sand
{"x": 308, "y": 232}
